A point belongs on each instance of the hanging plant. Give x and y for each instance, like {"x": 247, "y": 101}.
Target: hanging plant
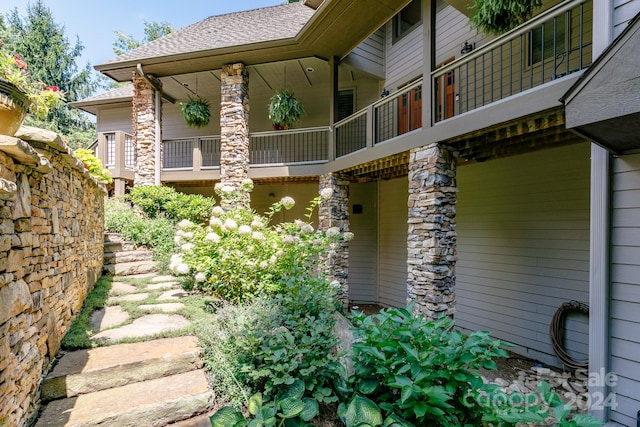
{"x": 196, "y": 112}
{"x": 499, "y": 16}
{"x": 284, "y": 109}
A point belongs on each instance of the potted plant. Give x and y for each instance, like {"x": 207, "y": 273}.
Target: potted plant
{"x": 284, "y": 109}
{"x": 21, "y": 94}
{"x": 196, "y": 112}
{"x": 499, "y": 16}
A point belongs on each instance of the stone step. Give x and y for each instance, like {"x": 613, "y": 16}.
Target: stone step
{"x": 130, "y": 268}
{"x": 127, "y": 256}
{"x": 87, "y": 371}
{"x": 113, "y": 238}
{"x": 155, "y": 402}
{"x": 118, "y": 246}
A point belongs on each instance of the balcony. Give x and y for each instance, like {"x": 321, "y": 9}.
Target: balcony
{"x": 554, "y": 44}
{"x": 117, "y": 153}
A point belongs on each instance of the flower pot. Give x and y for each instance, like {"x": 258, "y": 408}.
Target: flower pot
{"x": 13, "y": 108}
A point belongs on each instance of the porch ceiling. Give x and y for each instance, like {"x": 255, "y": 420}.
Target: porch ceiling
{"x": 334, "y": 30}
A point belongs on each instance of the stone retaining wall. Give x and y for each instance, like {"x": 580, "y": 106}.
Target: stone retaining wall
{"x": 51, "y": 249}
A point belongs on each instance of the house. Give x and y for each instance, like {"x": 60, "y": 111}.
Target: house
{"x": 512, "y": 190}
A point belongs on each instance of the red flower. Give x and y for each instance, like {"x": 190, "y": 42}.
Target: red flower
{"x": 20, "y": 62}
{"x": 52, "y": 88}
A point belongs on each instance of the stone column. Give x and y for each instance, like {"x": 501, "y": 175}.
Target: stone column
{"x": 234, "y": 126}
{"x": 334, "y": 212}
{"x": 431, "y": 241}
{"x": 144, "y": 131}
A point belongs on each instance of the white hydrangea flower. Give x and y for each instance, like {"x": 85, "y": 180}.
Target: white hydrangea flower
{"x": 188, "y": 235}
{"x": 217, "y": 211}
{"x": 273, "y": 259}
{"x": 244, "y": 230}
{"x": 179, "y": 232}
{"x": 227, "y": 189}
{"x": 247, "y": 184}
{"x": 182, "y": 269}
{"x": 258, "y": 235}
{"x": 212, "y": 238}
{"x": 175, "y": 261}
{"x": 348, "y": 236}
{"x": 187, "y": 247}
{"x": 200, "y": 278}
{"x": 326, "y": 193}
{"x": 333, "y": 232}
{"x": 287, "y": 202}
{"x": 264, "y": 265}
{"x": 299, "y": 223}
{"x": 257, "y": 223}
{"x": 335, "y": 284}
{"x": 185, "y": 224}
{"x": 216, "y": 223}
{"x": 280, "y": 254}
{"x": 230, "y": 224}
{"x": 178, "y": 240}
{"x": 288, "y": 240}
{"x": 306, "y": 229}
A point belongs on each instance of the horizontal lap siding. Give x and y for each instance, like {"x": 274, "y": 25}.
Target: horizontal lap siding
{"x": 623, "y": 11}
{"x": 625, "y": 288}
{"x": 404, "y": 58}
{"x": 523, "y": 248}
{"x": 369, "y": 55}
{"x": 363, "y": 252}
{"x": 114, "y": 119}
{"x": 393, "y": 214}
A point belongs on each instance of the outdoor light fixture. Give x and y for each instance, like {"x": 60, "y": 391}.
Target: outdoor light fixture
{"x": 466, "y": 48}
{"x": 385, "y": 92}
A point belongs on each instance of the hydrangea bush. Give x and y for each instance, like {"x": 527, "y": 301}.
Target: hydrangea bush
{"x": 240, "y": 254}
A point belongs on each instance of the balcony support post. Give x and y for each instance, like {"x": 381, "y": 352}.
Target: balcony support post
{"x": 334, "y": 63}
{"x": 234, "y": 127}
{"x": 145, "y": 128}
{"x": 431, "y": 240}
{"x": 333, "y": 211}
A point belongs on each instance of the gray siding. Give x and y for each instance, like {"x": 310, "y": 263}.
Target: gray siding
{"x": 404, "y": 58}
{"x": 114, "y": 119}
{"x": 452, "y": 30}
{"x": 363, "y": 252}
{"x": 369, "y": 55}
{"x": 392, "y": 246}
{"x": 523, "y": 247}
{"x": 623, "y": 11}
{"x": 625, "y": 287}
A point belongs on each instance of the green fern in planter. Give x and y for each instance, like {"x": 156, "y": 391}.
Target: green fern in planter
{"x": 285, "y": 109}
{"x": 499, "y": 16}
{"x": 196, "y": 112}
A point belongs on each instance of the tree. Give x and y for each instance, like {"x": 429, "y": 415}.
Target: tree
{"x": 52, "y": 59}
{"x": 152, "y": 30}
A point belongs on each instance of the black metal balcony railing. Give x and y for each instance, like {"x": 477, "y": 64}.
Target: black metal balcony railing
{"x": 295, "y": 146}
{"x": 551, "y": 45}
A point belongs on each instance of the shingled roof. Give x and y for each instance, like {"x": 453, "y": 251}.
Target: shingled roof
{"x": 224, "y": 31}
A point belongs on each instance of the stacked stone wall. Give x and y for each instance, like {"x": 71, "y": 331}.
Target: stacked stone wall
{"x": 144, "y": 131}
{"x": 51, "y": 249}
{"x": 431, "y": 241}
{"x": 334, "y": 212}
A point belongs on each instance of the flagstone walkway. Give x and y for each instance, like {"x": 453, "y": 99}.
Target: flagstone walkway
{"x": 150, "y": 382}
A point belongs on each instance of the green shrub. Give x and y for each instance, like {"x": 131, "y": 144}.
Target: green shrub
{"x": 157, "y": 201}
{"x": 157, "y": 233}
{"x": 93, "y": 165}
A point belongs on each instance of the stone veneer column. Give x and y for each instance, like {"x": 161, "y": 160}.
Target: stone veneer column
{"x": 431, "y": 240}
{"x": 144, "y": 131}
{"x": 334, "y": 212}
{"x": 234, "y": 126}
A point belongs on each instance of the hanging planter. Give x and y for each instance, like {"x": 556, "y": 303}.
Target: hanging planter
{"x": 284, "y": 109}
{"x": 196, "y": 112}
{"x": 13, "y": 108}
{"x": 499, "y": 16}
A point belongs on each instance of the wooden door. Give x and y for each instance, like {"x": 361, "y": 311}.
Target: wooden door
{"x": 445, "y": 94}
{"x": 410, "y": 111}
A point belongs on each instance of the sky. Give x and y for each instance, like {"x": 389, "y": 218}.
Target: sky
{"x": 95, "y": 21}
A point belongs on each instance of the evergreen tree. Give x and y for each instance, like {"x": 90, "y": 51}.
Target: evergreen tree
{"x": 51, "y": 58}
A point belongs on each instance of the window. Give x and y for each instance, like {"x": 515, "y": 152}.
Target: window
{"x": 548, "y": 39}
{"x": 346, "y": 103}
{"x": 409, "y": 18}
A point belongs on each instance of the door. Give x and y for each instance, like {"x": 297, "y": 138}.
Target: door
{"x": 445, "y": 94}
{"x": 410, "y": 111}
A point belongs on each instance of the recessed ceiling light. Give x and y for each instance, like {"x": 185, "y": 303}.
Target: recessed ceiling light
{"x": 185, "y": 84}
{"x": 310, "y": 70}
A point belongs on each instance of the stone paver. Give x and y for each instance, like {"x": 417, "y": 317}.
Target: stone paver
{"x": 162, "y": 286}
{"x": 108, "y": 317}
{"x": 147, "y": 403}
{"x": 171, "y": 307}
{"x": 148, "y": 325}
{"x": 122, "y": 288}
{"x": 174, "y": 294}
{"x": 130, "y": 297}
{"x": 167, "y": 278}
